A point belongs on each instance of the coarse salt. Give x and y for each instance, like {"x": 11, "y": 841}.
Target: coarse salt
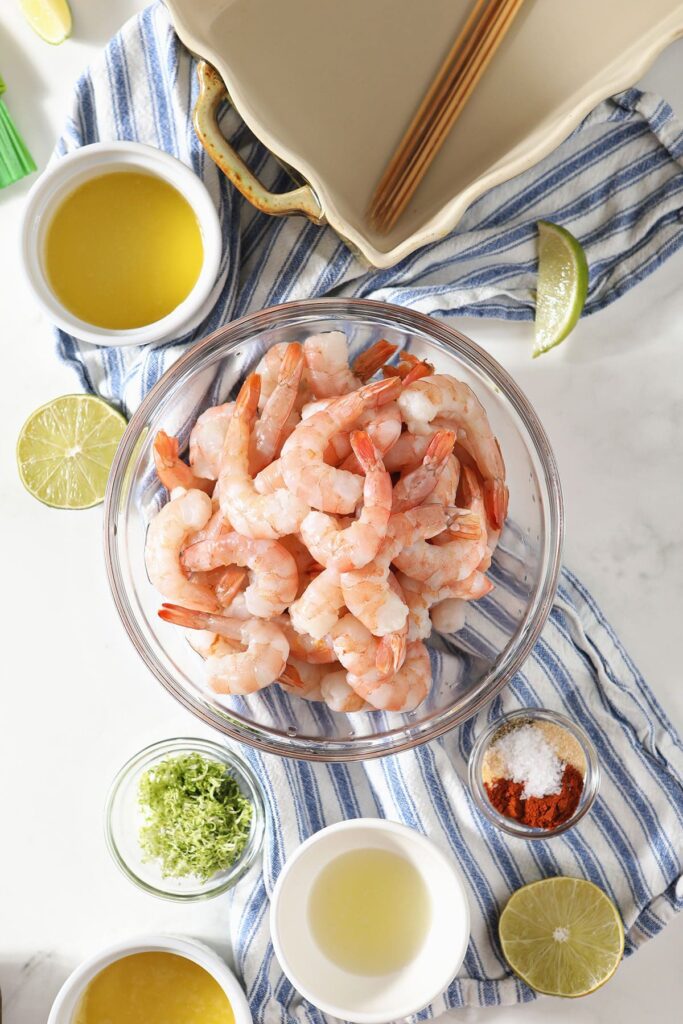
{"x": 525, "y": 755}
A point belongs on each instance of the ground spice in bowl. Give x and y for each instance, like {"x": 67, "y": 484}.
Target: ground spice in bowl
{"x": 533, "y": 772}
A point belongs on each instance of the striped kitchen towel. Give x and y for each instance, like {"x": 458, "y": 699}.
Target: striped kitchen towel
{"x": 630, "y": 843}
{"x": 616, "y": 183}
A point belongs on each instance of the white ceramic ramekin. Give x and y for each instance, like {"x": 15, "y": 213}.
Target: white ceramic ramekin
{"x": 67, "y": 998}
{"x": 367, "y": 999}
{"x": 66, "y": 174}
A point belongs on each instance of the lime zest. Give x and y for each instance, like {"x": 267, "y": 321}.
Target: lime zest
{"x": 197, "y": 821}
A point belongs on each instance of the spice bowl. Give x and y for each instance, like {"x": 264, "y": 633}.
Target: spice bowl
{"x": 571, "y": 746}
{"x": 124, "y": 818}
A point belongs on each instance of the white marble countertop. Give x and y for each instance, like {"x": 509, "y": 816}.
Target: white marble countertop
{"x": 612, "y": 402}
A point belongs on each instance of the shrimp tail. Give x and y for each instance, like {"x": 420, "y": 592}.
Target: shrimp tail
{"x": 369, "y": 362}
{"x": 391, "y": 653}
{"x": 248, "y": 398}
{"x": 365, "y": 451}
{"x": 187, "y": 617}
{"x": 292, "y": 365}
{"x": 496, "y": 502}
{"x": 440, "y": 447}
{"x": 290, "y": 677}
{"x": 171, "y": 469}
{"x": 418, "y": 370}
{"x": 230, "y": 584}
{"x": 463, "y": 524}
{"x": 382, "y": 391}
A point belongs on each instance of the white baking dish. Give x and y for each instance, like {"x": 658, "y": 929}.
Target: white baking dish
{"x": 330, "y": 87}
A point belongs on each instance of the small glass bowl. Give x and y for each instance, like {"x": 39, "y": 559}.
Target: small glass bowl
{"x": 123, "y": 818}
{"x": 591, "y": 781}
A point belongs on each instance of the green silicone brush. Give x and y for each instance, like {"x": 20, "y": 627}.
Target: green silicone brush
{"x": 15, "y": 160}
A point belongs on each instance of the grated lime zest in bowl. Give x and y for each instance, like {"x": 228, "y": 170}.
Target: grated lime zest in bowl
{"x": 197, "y": 820}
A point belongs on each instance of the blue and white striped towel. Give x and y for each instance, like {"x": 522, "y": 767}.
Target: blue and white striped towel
{"x": 617, "y": 183}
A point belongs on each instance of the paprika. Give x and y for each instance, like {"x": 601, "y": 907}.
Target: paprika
{"x": 547, "y": 811}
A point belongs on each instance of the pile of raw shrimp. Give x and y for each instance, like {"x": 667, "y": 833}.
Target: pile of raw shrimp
{"x": 325, "y": 523}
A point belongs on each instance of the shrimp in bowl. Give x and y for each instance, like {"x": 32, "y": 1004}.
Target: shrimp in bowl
{"x": 331, "y": 512}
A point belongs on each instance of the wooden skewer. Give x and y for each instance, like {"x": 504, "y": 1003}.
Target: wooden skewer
{"x": 424, "y": 157}
{"x": 445, "y": 100}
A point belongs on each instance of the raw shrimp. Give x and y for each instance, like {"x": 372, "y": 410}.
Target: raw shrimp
{"x": 264, "y": 516}
{"x": 355, "y": 546}
{"x": 367, "y": 592}
{"x": 339, "y": 695}
{"x": 447, "y": 398}
{"x": 307, "y": 476}
{"x": 319, "y": 607}
{"x": 403, "y": 691}
{"x": 171, "y": 469}
{"x": 415, "y": 486}
{"x": 206, "y": 440}
{"x": 166, "y": 537}
{"x": 272, "y": 570}
{"x": 327, "y": 363}
{"x": 269, "y": 428}
{"x": 247, "y": 671}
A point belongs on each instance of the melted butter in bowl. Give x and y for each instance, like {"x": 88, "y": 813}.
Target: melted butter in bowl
{"x": 153, "y": 988}
{"x": 123, "y": 250}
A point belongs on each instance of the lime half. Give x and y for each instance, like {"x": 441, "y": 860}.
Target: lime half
{"x": 562, "y": 285}
{"x": 562, "y": 936}
{"x": 51, "y": 19}
{"x": 66, "y": 448}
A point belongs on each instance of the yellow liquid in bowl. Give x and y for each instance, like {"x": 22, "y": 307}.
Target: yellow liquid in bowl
{"x": 153, "y": 988}
{"x": 369, "y": 911}
{"x": 123, "y": 250}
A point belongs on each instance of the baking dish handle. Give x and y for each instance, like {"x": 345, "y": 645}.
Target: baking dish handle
{"x": 212, "y": 93}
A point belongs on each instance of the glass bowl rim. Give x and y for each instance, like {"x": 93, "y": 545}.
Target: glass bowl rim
{"x": 149, "y": 755}
{"x": 509, "y": 825}
{"x": 413, "y": 733}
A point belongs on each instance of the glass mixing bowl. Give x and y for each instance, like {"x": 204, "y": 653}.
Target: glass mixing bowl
{"x": 469, "y": 667}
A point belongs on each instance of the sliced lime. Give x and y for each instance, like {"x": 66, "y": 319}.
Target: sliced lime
{"x": 562, "y": 285}
{"x": 562, "y": 936}
{"x": 66, "y": 448}
{"x": 51, "y": 19}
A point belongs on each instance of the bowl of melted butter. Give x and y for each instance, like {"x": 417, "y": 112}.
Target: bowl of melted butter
{"x": 121, "y": 244}
{"x": 152, "y": 980}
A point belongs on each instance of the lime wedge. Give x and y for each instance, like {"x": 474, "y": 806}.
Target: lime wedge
{"x": 562, "y": 936}
{"x": 562, "y": 285}
{"x": 51, "y": 19}
{"x": 66, "y": 448}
